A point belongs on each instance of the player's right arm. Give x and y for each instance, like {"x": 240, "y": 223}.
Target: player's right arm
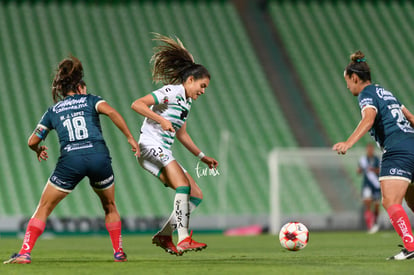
{"x": 142, "y": 107}
{"x": 368, "y": 118}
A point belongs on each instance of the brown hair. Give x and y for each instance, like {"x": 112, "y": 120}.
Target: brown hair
{"x": 173, "y": 63}
{"x": 358, "y": 66}
{"x": 68, "y": 76}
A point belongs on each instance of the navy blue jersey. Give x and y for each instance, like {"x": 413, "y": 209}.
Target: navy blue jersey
{"x": 76, "y": 121}
{"x": 390, "y": 125}
{"x": 367, "y": 165}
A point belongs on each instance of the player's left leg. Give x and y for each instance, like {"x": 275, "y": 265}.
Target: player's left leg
{"x": 164, "y": 237}
{"x": 409, "y": 196}
{"x": 112, "y": 221}
{"x": 51, "y": 196}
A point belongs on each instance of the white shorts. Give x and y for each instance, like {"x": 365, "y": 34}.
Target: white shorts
{"x": 154, "y": 158}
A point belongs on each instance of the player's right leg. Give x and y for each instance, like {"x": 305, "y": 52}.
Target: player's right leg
{"x": 393, "y": 192}
{"x": 51, "y": 196}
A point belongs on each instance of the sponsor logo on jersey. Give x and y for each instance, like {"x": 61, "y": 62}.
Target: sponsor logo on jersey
{"x": 163, "y": 157}
{"x": 78, "y": 146}
{"x": 105, "y": 181}
{"x": 399, "y": 172}
{"x": 384, "y": 94}
{"x": 366, "y": 102}
{"x": 70, "y": 104}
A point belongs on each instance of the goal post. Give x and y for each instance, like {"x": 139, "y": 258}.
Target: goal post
{"x": 315, "y": 186}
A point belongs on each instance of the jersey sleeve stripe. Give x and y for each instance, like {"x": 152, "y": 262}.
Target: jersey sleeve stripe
{"x": 155, "y": 98}
{"x": 97, "y": 104}
{"x": 369, "y": 106}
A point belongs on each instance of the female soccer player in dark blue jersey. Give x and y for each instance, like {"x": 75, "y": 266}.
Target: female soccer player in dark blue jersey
{"x": 390, "y": 124}
{"x": 75, "y": 117}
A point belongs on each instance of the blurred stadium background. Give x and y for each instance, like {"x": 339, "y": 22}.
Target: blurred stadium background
{"x": 277, "y": 82}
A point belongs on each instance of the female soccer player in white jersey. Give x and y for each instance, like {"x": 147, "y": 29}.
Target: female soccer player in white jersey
{"x": 83, "y": 153}
{"x": 166, "y": 111}
{"x": 390, "y": 124}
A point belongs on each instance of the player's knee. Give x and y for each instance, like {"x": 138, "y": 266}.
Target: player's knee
{"x": 196, "y": 192}
{"x": 388, "y": 202}
{"x": 109, "y": 206}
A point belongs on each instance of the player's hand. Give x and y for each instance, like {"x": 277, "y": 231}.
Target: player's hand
{"x": 166, "y": 125}
{"x": 341, "y": 147}
{"x": 212, "y": 163}
{"x": 41, "y": 153}
{"x": 134, "y": 146}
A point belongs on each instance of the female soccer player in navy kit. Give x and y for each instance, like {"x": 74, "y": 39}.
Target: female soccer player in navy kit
{"x": 369, "y": 167}
{"x": 75, "y": 117}
{"x": 390, "y": 124}
{"x": 166, "y": 111}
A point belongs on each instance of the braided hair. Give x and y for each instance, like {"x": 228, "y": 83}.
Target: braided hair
{"x": 173, "y": 63}
{"x": 68, "y": 76}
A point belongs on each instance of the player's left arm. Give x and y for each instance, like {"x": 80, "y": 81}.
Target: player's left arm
{"x": 183, "y": 136}
{"x": 368, "y": 118}
{"x": 38, "y": 135}
{"x": 408, "y": 115}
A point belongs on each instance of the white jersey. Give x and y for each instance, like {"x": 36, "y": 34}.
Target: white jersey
{"x": 171, "y": 104}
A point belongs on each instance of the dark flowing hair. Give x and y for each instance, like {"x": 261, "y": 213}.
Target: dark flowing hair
{"x": 173, "y": 63}
{"x": 358, "y": 66}
{"x": 68, "y": 76}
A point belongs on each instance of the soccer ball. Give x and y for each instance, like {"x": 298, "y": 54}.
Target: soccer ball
{"x": 294, "y": 236}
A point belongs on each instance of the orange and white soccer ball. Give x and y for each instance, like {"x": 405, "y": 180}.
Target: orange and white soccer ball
{"x": 294, "y": 236}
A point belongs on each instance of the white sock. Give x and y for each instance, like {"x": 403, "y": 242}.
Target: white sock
{"x": 181, "y": 215}
{"x": 170, "y": 225}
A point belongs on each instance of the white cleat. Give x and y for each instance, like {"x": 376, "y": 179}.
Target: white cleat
{"x": 403, "y": 255}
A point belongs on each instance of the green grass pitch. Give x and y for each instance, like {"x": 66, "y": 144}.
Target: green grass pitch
{"x": 326, "y": 253}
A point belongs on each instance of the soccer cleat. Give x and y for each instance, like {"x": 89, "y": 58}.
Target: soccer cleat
{"x": 19, "y": 259}
{"x": 374, "y": 229}
{"x": 188, "y": 244}
{"x": 166, "y": 243}
{"x": 403, "y": 255}
{"x": 120, "y": 256}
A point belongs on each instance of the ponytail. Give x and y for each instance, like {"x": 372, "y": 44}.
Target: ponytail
{"x": 173, "y": 63}
{"x": 68, "y": 76}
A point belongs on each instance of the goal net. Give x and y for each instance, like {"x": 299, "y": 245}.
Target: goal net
{"x": 315, "y": 186}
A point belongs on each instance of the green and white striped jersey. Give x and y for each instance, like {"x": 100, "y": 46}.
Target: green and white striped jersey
{"x": 171, "y": 104}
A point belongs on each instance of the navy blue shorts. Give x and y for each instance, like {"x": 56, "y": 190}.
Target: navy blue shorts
{"x": 370, "y": 192}
{"x": 398, "y": 162}
{"x": 70, "y": 170}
